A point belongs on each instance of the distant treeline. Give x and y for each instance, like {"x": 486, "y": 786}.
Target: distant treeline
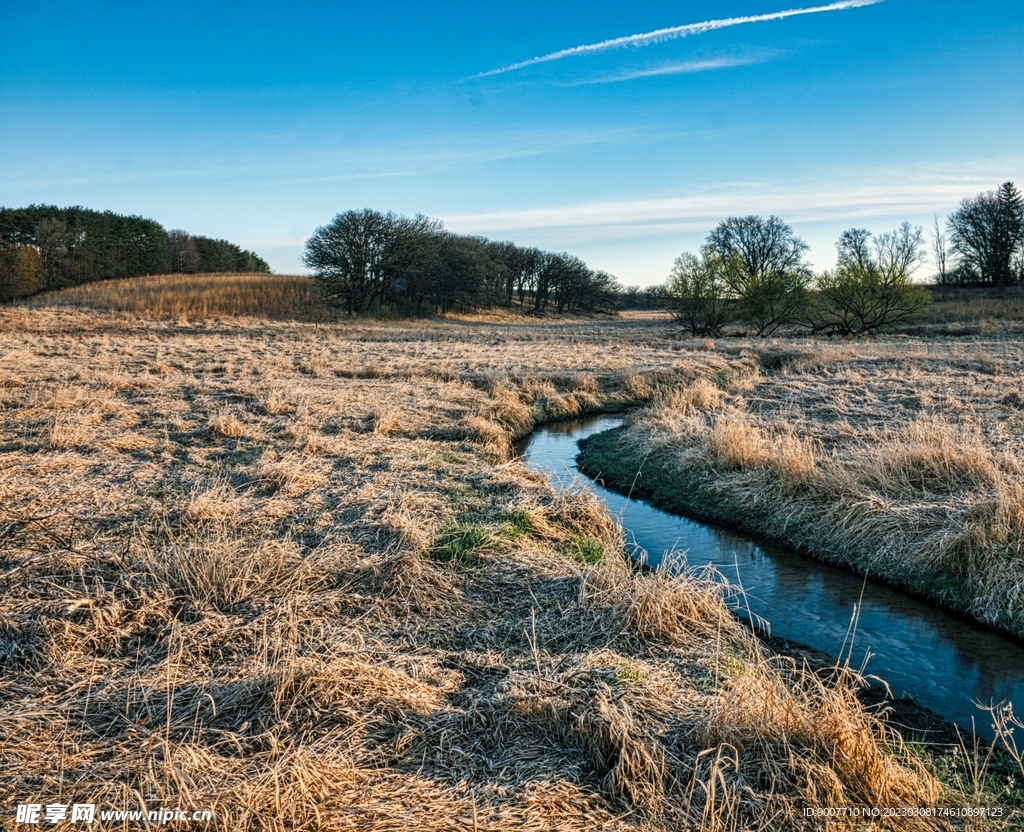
{"x": 44, "y": 247}
{"x": 367, "y": 262}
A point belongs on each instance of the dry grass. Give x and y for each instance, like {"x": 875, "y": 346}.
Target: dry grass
{"x": 904, "y": 460}
{"x": 291, "y": 574}
{"x": 976, "y": 311}
{"x": 194, "y": 297}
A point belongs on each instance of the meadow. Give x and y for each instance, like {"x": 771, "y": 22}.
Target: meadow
{"x": 289, "y": 570}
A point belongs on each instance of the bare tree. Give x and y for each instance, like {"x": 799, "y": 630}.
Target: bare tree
{"x": 698, "y": 292}
{"x": 348, "y": 257}
{"x": 939, "y": 249}
{"x": 765, "y": 246}
{"x": 854, "y": 247}
{"x": 771, "y": 283}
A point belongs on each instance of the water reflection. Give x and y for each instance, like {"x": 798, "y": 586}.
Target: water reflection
{"x": 940, "y": 661}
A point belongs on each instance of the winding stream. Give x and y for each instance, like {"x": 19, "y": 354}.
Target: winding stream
{"x": 941, "y": 662}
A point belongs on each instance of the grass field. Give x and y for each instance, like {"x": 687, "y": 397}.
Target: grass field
{"x": 183, "y": 297}
{"x": 288, "y": 572}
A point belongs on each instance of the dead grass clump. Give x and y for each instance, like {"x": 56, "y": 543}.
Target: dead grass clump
{"x": 735, "y": 442}
{"x": 8, "y": 381}
{"x": 792, "y": 727}
{"x": 587, "y": 383}
{"x": 20, "y": 647}
{"x": 535, "y": 389}
{"x": 793, "y": 458}
{"x": 630, "y": 761}
{"x": 353, "y": 688}
{"x": 9, "y": 397}
{"x": 67, "y": 432}
{"x": 509, "y": 411}
{"x": 412, "y": 584}
{"x": 319, "y": 364}
{"x": 669, "y": 609}
{"x": 491, "y": 435}
{"x": 215, "y": 502}
{"x": 577, "y": 511}
{"x": 274, "y": 402}
{"x": 226, "y": 424}
{"x": 929, "y": 455}
{"x": 612, "y": 729}
{"x": 586, "y": 402}
{"x": 290, "y": 475}
{"x": 815, "y": 359}
{"x": 637, "y": 386}
{"x": 561, "y": 407}
{"x": 386, "y": 422}
{"x": 218, "y": 570}
{"x": 1006, "y": 523}
{"x": 400, "y": 518}
{"x": 700, "y": 394}
{"x": 131, "y": 441}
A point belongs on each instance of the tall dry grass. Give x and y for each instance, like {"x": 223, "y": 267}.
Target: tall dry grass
{"x": 198, "y": 297}
{"x": 292, "y": 574}
{"x": 984, "y": 309}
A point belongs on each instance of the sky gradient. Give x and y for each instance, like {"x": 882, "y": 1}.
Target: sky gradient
{"x": 621, "y": 133}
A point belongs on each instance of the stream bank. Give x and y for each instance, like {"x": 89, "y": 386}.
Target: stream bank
{"x": 939, "y": 661}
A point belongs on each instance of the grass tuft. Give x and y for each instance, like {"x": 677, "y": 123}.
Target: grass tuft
{"x": 461, "y": 546}
{"x": 584, "y": 550}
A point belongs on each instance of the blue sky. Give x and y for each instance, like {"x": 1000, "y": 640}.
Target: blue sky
{"x": 260, "y": 121}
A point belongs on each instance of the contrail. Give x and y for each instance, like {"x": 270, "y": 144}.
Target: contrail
{"x": 673, "y": 33}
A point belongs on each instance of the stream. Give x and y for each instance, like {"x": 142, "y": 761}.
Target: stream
{"x": 942, "y": 662}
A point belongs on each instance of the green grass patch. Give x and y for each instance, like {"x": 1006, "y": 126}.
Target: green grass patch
{"x": 584, "y": 550}
{"x": 517, "y": 523}
{"x": 461, "y": 546}
{"x": 628, "y": 674}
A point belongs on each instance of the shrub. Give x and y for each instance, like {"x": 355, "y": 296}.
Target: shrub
{"x": 871, "y": 290}
{"x": 697, "y": 292}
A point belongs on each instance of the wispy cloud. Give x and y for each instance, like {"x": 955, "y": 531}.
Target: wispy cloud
{"x": 302, "y": 160}
{"x": 680, "y": 68}
{"x": 849, "y": 196}
{"x": 673, "y": 33}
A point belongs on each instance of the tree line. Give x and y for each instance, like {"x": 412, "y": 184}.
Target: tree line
{"x": 44, "y": 247}
{"x": 751, "y": 271}
{"x": 367, "y": 262}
